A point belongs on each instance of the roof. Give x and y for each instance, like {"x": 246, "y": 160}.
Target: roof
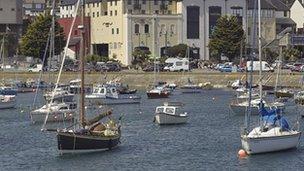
{"x": 285, "y": 20}
{"x": 72, "y": 2}
{"x": 277, "y": 5}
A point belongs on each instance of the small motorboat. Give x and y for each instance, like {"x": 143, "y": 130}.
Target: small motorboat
{"x": 108, "y": 95}
{"x": 284, "y": 93}
{"x": 157, "y": 93}
{"x": 190, "y": 87}
{"x": 56, "y": 112}
{"x": 239, "y": 108}
{"x": 7, "y": 101}
{"x": 170, "y": 113}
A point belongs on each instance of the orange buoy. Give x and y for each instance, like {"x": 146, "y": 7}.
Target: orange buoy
{"x": 242, "y": 153}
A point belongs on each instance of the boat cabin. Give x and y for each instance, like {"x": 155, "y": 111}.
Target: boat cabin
{"x": 107, "y": 91}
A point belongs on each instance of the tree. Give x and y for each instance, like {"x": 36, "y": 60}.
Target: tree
{"x": 269, "y": 55}
{"x": 226, "y": 38}
{"x": 141, "y": 57}
{"x": 34, "y": 41}
{"x": 177, "y": 50}
{"x": 291, "y": 54}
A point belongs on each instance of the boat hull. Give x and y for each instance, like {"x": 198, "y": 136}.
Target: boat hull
{"x": 8, "y": 105}
{"x": 166, "y": 119}
{"x": 70, "y": 142}
{"x": 269, "y": 144}
{"x": 157, "y": 95}
{"x": 283, "y": 94}
{"x": 112, "y": 101}
{"x": 38, "y": 117}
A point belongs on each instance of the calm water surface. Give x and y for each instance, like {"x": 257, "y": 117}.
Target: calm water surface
{"x": 209, "y": 141}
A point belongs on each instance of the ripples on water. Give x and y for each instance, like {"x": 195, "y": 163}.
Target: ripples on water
{"x": 209, "y": 141}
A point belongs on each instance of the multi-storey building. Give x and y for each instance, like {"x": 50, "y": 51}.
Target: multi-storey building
{"x": 11, "y": 22}
{"x": 33, "y": 8}
{"x": 120, "y": 26}
{"x": 200, "y": 17}
{"x": 297, "y": 14}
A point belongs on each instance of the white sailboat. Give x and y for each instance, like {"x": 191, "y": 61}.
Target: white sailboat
{"x": 273, "y": 133}
{"x": 170, "y": 113}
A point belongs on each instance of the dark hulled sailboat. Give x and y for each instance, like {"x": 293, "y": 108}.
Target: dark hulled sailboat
{"x": 92, "y": 135}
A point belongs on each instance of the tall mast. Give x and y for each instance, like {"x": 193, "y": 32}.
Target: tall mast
{"x": 82, "y": 63}
{"x": 260, "y": 49}
{"x": 52, "y": 39}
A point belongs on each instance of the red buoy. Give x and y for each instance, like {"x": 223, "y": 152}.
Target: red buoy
{"x": 242, "y": 153}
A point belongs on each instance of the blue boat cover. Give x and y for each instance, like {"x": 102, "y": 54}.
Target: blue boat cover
{"x": 272, "y": 117}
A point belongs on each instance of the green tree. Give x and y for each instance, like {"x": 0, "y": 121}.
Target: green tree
{"x": 177, "y": 50}
{"x": 269, "y": 55}
{"x": 226, "y": 38}
{"x": 34, "y": 41}
{"x": 291, "y": 54}
{"x": 141, "y": 57}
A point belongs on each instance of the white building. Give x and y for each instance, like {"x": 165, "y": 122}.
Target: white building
{"x": 200, "y": 16}
{"x": 297, "y": 13}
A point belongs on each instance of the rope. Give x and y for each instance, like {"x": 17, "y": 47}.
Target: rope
{"x": 62, "y": 63}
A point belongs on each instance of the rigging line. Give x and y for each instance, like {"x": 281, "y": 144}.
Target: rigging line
{"x": 40, "y": 75}
{"x": 62, "y": 62}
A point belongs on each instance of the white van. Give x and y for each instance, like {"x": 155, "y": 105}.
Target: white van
{"x": 177, "y": 64}
{"x": 256, "y": 66}
{"x": 36, "y": 68}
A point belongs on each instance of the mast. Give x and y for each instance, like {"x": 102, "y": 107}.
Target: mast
{"x": 260, "y": 50}
{"x": 82, "y": 63}
{"x": 52, "y": 39}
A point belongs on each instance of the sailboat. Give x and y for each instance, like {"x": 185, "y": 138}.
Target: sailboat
{"x": 158, "y": 90}
{"x": 274, "y": 132}
{"x": 7, "y": 93}
{"x": 91, "y": 135}
{"x": 281, "y": 93}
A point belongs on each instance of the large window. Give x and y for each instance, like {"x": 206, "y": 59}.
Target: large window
{"x": 193, "y": 13}
{"x": 136, "y": 29}
{"x": 146, "y": 28}
{"x": 214, "y": 15}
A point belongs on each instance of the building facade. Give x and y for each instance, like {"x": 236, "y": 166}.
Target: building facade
{"x": 120, "y": 26}
{"x": 297, "y": 14}
{"x": 33, "y": 8}
{"x": 199, "y": 19}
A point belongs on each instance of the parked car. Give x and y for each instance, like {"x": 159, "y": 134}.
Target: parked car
{"x": 109, "y": 67}
{"x": 297, "y": 67}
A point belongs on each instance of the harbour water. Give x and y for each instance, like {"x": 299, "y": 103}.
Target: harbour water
{"x": 209, "y": 141}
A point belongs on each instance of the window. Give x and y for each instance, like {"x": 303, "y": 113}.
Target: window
{"x": 1, "y": 9}
{"x": 143, "y": 11}
{"x": 172, "y": 28}
{"x": 155, "y": 2}
{"x": 237, "y": 11}
{"x": 75, "y": 32}
{"x": 67, "y": 16}
{"x": 162, "y": 28}
{"x": 136, "y": 28}
{"x": 66, "y": 7}
{"x": 146, "y": 28}
{"x": 111, "y": 13}
{"x": 193, "y": 13}
{"x": 39, "y": 6}
{"x": 117, "y": 30}
{"x": 97, "y": 4}
{"x": 169, "y": 12}
{"x": 156, "y": 11}
{"x": 111, "y": 3}
{"x": 143, "y": 1}
{"x": 97, "y": 14}
{"x": 214, "y": 15}
{"x": 285, "y": 13}
{"x": 93, "y": 4}
{"x": 115, "y": 12}
{"x": 88, "y": 14}
{"x": 115, "y": 2}
{"x": 170, "y": 2}
{"x": 93, "y": 14}
{"x": 129, "y": 2}
{"x": 113, "y": 31}
{"x": 129, "y": 11}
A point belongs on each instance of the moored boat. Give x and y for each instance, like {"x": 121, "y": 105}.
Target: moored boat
{"x": 170, "y": 113}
